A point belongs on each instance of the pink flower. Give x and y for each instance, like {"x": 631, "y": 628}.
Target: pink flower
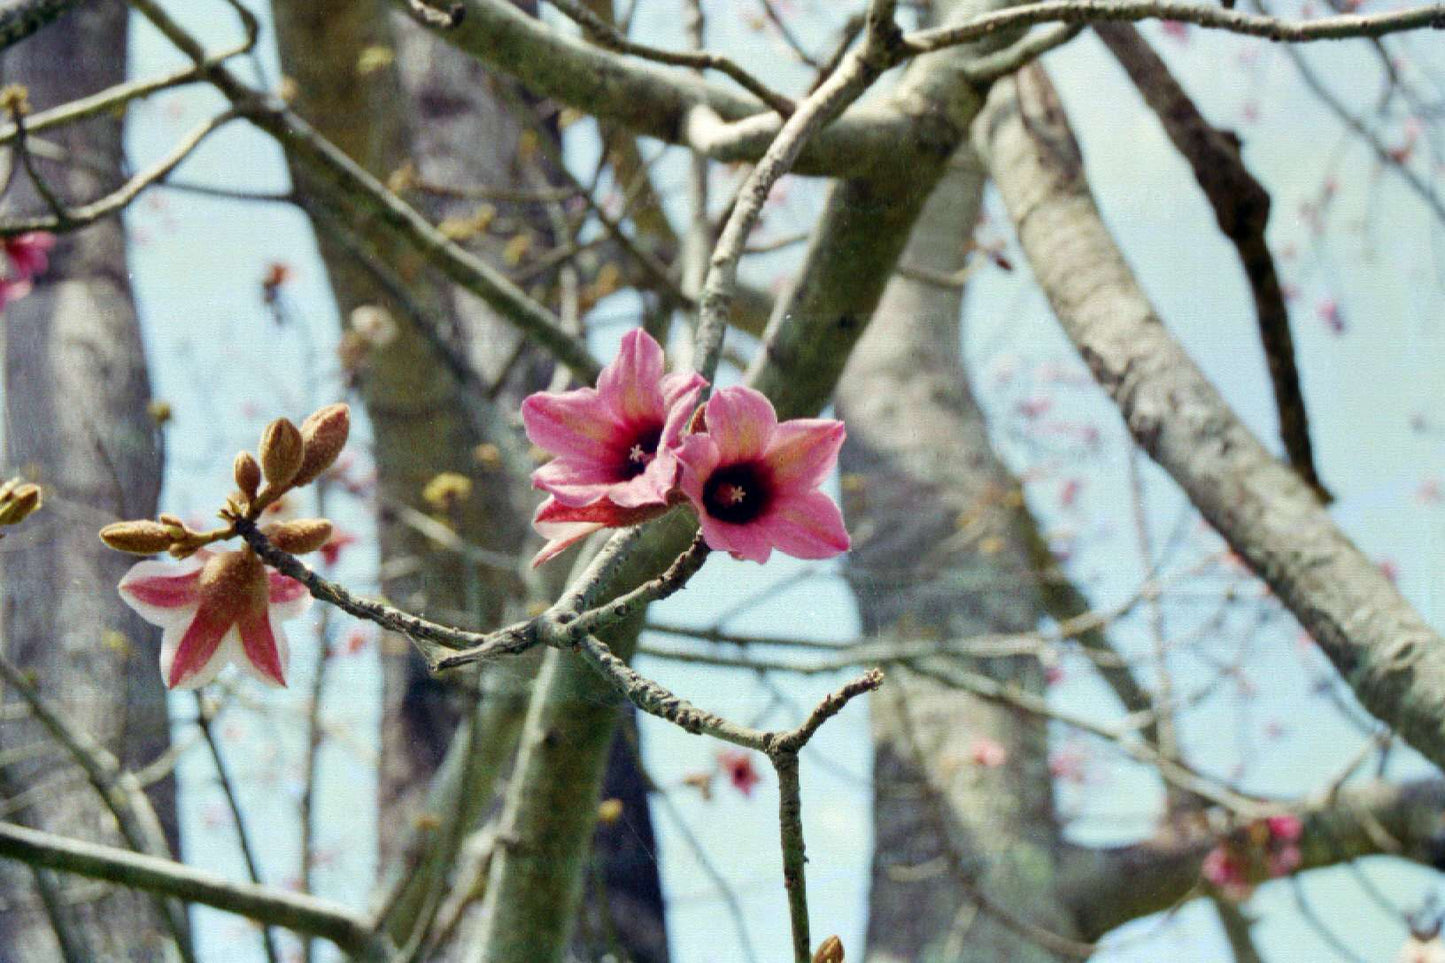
{"x": 754, "y": 482}
{"x": 615, "y": 444}
{"x": 29, "y": 254}
{"x": 1285, "y": 828}
{"x": 1223, "y": 869}
{"x": 738, "y": 765}
{"x": 215, "y": 608}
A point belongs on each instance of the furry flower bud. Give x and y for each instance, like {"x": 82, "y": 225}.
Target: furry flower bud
{"x": 281, "y": 453}
{"x": 18, "y": 500}
{"x": 300, "y": 535}
{"x": 143, "y": 537}
{"x": 323, "y": 436}
{"x": 247, "y": 473}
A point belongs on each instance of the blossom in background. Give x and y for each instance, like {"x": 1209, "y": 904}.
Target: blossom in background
{"x": 216, "y": 608}
{"x": 754, "y": 482}
{"x": 614, "y": 444}
{"x": 29, "y": 253}
{"x": 26, "y": 256}
{"x": 738, "y": 765}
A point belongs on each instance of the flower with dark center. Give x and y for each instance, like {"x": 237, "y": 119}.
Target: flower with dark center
{"x": 615, "y": 444}
{"x": 754, "y": 482}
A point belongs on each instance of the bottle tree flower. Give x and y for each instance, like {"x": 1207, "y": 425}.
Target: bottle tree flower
{"x": 615, "y": 445}
{"x": 216, "y": 608}
{"x": 754, "y": 482}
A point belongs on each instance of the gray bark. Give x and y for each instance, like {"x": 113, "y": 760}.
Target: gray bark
{"x": 458, "y": 129}
{"x": 1384, "y": 650}
{"x": 920, "y": 463}
{"x": 76, "y": 420}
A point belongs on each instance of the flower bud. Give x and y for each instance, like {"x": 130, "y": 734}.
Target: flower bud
{"x": 300, "y": 535}
{"x": 829, "y": 951}
{"x": 143, "y": 537}
{"x": 18, "y": 502}
{"x": 247, "y": 473}
{"x": 281, "y": 452}
{"x": 323, "y": 436}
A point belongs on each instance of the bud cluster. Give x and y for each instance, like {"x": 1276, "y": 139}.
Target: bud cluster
{"x": 288, "y": 457}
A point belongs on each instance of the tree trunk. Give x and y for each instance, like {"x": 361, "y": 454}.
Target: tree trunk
{"x": 445, "y": 113}
{"x": 942, "y": 549}
{"x": 76, "y": 420}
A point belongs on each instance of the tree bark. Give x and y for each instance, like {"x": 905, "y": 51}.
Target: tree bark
{"x": 942, "y": 549}
{"x": 76, "y": 420}
{"x": 450, "y": 117}
{"x": 1384, "y": 650}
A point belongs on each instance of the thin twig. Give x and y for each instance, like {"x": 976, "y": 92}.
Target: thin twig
{"x": 204, "y": 719}
{"x": 603, "y": 34}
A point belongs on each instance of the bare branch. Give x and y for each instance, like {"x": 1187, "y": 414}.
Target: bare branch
{"x": 1430, "y": 16}
{"x": 277, "y": 907}
{"x": 1241, "y": 206}
{"x": 1391, "y": 658}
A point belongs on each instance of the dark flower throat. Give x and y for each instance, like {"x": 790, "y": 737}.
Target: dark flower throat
{"x": 737, "y": 493}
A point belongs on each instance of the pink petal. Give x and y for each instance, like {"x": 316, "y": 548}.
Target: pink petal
{"x": 649, "y": 488}
{"x": 803, "y": 451}
{"x": 698, "y": 456}
{"x": 807, "y": 525}
{"x": 573, "y": 424}
{"x": 191, "y": 662}
{"x": 261, "y": 641}
{"x": 158, "y": 590}
{"x": 679, "y": 412}
{"x": 564, "y": 536}
{"x": 603, "y": 513}
{"x": 562, "y": 525}
{"x": 575, "y": 481}
{"x": 741, "y": 541}
{"x": 631, "y": 385}
{"x": 286, "y": 597}
{"x": 677, "y": 386}
{"x": 741, "y": 420}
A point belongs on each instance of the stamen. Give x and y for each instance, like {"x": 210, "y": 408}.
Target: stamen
{"x": 734, "y": 494}
{"x": 638, "y": 455}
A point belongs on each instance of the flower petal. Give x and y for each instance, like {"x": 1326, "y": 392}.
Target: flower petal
{"x": 563, "y": 536}
{"x": 698, "y": 455}
{"x": 562, "y": 525}
{"x": 741, "y": 420}
{"x": 286, "y": 597}
{"x": 263, "y": 644}
{"x": 741, "y": 541}
{"x": 806, "y": 525}
{"x": 189, "y": 654}
{"x": 649, "y": 488}
{"x": 162, "y": 592}
{"x": 677, "y": 386}
{"x": 574, "y": 481}
{"x": 631, "y": 385}
{"x": 575, "y": 423}
{"x": 803, "y": 451}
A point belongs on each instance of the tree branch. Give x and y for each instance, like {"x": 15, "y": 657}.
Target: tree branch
{"x": 303, "y": 914}
{"x": 1391, "y": 658}
{"x": 1241, "y": 206}
{"x": 1109, "y": 887}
